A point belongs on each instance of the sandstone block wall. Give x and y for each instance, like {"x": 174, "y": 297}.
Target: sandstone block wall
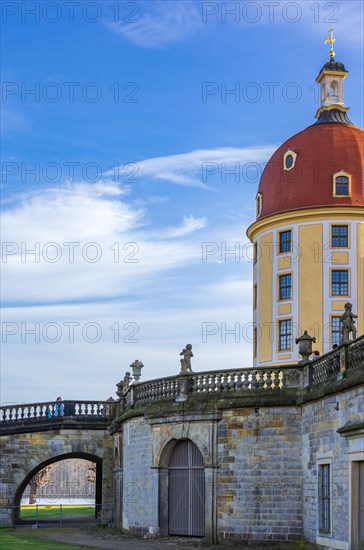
{"x": 260, "y": 474}
{"x": 139, "y": 493}
{"x": 322, "y": 443}
{"x": 22, "y": 453}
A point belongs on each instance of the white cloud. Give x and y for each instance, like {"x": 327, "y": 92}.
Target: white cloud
{"x": 167, "y": 292}
{"x": 160, "y": 23}
{"x": 197, "y": 168}
{"x": 189, "y": 225}
{"x": 116, "y": 249}
{"x": 89, "y": 244}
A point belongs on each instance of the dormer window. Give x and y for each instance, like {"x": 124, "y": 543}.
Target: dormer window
{"x": 342, "y": 182}
{"x": 289, "y": 160}
{"x": 259, "y": 204}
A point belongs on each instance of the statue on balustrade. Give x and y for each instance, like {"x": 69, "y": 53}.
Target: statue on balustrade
{"x": 348, "y": 324}
{"x": 186, "y": 361}
{"x": 126, "y": 382}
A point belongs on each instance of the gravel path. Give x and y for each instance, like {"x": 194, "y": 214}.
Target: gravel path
{"x": 112, "y": 539}
{"x": 101, "y": 538}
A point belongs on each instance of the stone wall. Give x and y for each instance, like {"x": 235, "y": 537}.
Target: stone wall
{"x": 22, "y": 454}
{"x": 323, "y": 444}
{"x": 139, "y": 493}
{"x": 261, "y": 464}
{"x": 260, "y": 473}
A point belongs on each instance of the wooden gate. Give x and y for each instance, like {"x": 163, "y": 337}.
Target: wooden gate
{"x": 186, "y": 502}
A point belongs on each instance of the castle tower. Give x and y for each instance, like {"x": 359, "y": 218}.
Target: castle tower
{"x": 309, "y": 231}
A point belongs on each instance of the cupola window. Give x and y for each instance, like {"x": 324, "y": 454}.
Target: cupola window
{"x": 342, "y": 184}
{"x": 289, "y": 160}
{"x": 259, "y": 204}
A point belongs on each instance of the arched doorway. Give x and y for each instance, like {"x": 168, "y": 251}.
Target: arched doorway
{"x": 186, "y": 493}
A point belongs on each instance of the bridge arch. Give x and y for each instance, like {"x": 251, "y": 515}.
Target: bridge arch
{"x": 58, "y": 458}
{"x": 25, "y": 454}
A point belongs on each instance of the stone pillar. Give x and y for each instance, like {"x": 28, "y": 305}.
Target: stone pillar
{"x": 107, "y": 481}
{"x": 156, "y": 501}
{"x": 6, "y": 516}
{"x": 163, "y": 500}
{"x": 343, "y": 360}
{"x": 211, "y": 503}
{"x": 118, "y": 497}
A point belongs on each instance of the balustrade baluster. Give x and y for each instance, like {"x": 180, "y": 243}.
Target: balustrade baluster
{"x": 269, "y": 381}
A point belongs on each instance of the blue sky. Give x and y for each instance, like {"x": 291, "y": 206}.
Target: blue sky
{"x": 123, "y": 151}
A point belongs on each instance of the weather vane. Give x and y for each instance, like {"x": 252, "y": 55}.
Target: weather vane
{"x": 331, "y": 41}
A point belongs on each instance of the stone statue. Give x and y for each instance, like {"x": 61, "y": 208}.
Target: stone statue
{"x": 126, "y": 381}
{"x": 186, "y": 361}
{"x": 348, "y": 324}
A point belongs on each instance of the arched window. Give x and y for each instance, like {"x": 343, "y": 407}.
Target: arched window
{"x": 342, "y": 184}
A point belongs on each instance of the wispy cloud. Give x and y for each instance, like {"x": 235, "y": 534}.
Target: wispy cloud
{"x": 194, "y": 169}
{"x": 68, "y": 227}
{"x": 189, "y": 225}
{"x": 159, "y": 23}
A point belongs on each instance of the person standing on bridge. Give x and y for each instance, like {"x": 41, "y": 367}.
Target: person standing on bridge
{"x": 59, "y": 407}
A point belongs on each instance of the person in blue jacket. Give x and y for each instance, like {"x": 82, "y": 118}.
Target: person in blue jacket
{"x": 59, "y": 407}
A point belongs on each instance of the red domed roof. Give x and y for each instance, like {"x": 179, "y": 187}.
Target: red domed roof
{"x": 322, "y": 150}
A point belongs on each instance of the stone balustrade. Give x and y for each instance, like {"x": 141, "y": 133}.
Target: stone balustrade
{"x": 212, "y": 383}
{"x": 347, "y": 358}
{"x": 35, "y": 412}
{"x": 329, "y": 367}
{"x": 332, "y": 366}
{"x": 355, "y": 354}
{"x": 325, "y": 368}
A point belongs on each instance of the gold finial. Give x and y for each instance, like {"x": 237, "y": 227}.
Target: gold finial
{"x": 331, "y": 41}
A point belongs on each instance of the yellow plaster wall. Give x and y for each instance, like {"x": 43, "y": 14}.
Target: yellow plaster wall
{"x": 338, "y": 305}
{"x": 360, "y": 244}
{"x": 340, "y": 258}
{"x": 265, "y": 289}
{"x": 284, "y": 262}
{"x": 310, "y": 289}
{"x": 284, "y": 309}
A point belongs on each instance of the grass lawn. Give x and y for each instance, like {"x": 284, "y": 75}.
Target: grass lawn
{"x": 53, "y": 512}
{"x": 17, "y": 539}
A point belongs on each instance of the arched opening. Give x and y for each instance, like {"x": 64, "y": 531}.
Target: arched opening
{"x": 56, "y": 509}
{"x": 186, "y": 490}
{"x": 334, "y": 89}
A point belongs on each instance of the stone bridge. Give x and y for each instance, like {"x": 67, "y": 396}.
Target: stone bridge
{"x": 35, "y": 435}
